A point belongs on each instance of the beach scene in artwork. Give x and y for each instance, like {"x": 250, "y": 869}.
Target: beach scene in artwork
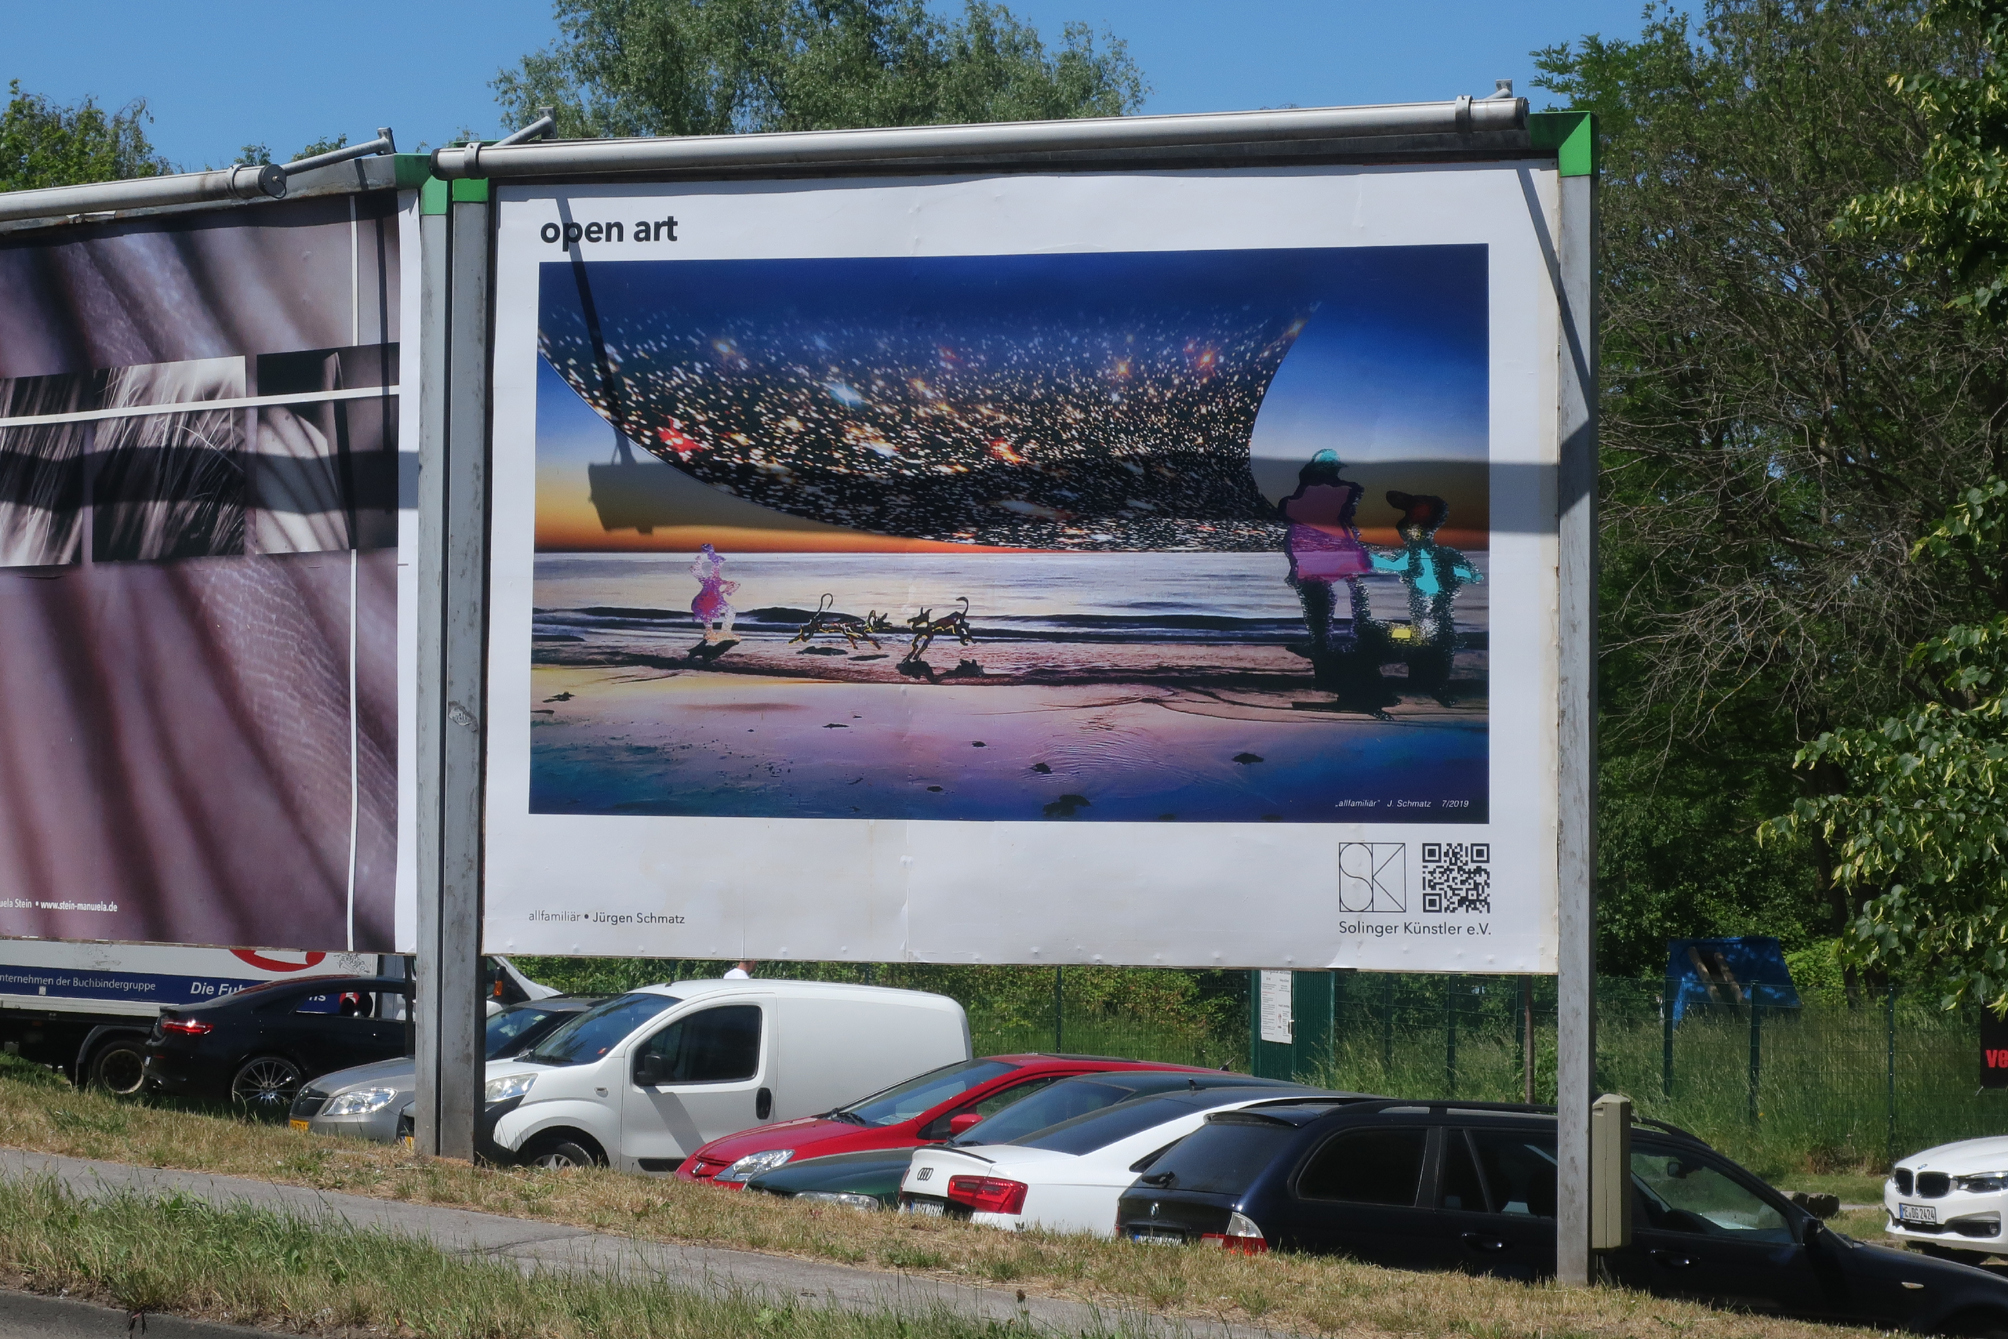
{"x": 1184, "y": 537}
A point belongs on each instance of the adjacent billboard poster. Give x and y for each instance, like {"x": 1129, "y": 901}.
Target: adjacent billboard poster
{"x": 198, "y": 576}
{"x": 1111, "y": 567}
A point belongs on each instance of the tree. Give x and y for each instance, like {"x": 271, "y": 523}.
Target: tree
{"x": 1923, "y": 825}
{"x": 713, "y": 67}
{"x": 259, "y": 153}
{"x": 44, "y": 144}
{"x": 1786, "y": 408}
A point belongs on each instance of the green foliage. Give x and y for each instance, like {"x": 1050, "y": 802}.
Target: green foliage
{"x": 43, "y": 144}
{"x": 1923, "y": 824}
{"x": 713, "y": 67}
{"x": 1956, "y": 210}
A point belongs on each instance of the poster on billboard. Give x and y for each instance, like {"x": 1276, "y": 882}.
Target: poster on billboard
{"x": 1099, "y": 567}
{"x": 199, "y": 521}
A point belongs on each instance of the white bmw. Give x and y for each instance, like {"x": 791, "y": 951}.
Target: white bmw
{"x": 1068, "y": 1177}
{"x": 1951, "y": 1198}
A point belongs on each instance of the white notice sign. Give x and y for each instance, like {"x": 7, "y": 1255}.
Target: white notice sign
{"x": 1276, "y": 1015}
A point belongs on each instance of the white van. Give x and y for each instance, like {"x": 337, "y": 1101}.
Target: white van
{"x": 643, "y": 1079}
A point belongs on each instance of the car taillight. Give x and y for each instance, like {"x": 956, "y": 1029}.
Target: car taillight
{"x": 187, "y": 1027}
{"x": 1242, "y": 1237}
{"x": 988, "y": 1194}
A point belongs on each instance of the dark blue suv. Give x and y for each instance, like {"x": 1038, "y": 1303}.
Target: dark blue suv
{"x": 1471, "y": 1186}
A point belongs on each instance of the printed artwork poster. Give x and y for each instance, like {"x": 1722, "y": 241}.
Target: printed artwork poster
{"x": 1147, "y": 568}
{"x": 199, "y": 570}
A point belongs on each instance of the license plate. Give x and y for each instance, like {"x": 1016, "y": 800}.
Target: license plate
{"x": 1916, "y": 1213}
{"x": 297, "y": 1124}
{"x": 1143, "y": 1238}
{"x": 925, "y": 1208}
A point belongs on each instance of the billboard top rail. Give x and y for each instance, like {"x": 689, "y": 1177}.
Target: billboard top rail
{"x": 227, "y": 187}
{"x": 1450, "y": 125}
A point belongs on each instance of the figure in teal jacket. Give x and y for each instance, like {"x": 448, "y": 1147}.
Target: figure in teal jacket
{"x": 1432, "y": 575}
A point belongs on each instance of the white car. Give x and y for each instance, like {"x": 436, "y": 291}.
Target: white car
{"x": 1068, "y": 1177}
{"x": 641, "y": 1080}
{"x": 1951, "y": 1198}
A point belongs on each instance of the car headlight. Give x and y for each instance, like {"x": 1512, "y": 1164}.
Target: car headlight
{"x": 755, "y": 1163}
{"x": 848, "y": 1199}
{"x": 360, "y": 1102}
{"x": 1983, "y": 1183}
{"x": 501, "y": 1090}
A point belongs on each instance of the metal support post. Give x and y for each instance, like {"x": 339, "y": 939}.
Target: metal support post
{"x": 1666, "y": 1036}
{"x": 1889, "y": 1083}
{"x": 1450, "y": 1036}
{"x": 1059, "y": 1008}
{"x": 1576, "y": 505}
{"x": 453, "y": 625}
{"x": 1756, "y": 1059}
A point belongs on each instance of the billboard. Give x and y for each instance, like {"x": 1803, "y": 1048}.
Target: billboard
{"x": 1107, "y": 567}
{"x": 198, "y": 569}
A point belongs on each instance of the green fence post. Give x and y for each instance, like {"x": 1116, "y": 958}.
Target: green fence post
{"x": 1889, "y": 1083}
{"x": 1387, "y": 1027}
{"x": 1059, "y": 1007}
{"x": 1450, "y": 1036}
{"x": 1756, "y": 1055}
{"x": 1527, "y": 1047}
{"x": 1666, "y": 1041}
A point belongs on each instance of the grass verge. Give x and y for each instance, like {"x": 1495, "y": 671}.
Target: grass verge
{"x": 1283, "y": 1292}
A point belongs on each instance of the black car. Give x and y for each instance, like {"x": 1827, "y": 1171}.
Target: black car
{"x": 257, "y": 1046}
{"x": 871, "y": 1178}
{"x": 1446, "y": 1185}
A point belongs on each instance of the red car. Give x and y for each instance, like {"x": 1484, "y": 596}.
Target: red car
{"x": 937, "y": 1105}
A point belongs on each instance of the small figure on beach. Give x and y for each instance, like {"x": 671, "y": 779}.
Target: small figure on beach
{"x": 711, "y": 609}
{"x": 1433, "y": 574}
{"x": 1323, "y": 544}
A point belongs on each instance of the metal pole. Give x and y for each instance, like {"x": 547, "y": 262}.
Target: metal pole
{"x": 1527, "y": 1047}
{"x": 1889, "y": 1090}
{"x": 1756, "y": 1057}
{"x": 1666, "y": 1037}
{"x": 453, "y": 626}
{"x": 1059, "y": 1008}
{"x": 1576, "y": 501}
{"x": 1450, "y": 1036}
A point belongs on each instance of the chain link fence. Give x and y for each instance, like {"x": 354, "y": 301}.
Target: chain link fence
{"x": 1835, "y": 1085}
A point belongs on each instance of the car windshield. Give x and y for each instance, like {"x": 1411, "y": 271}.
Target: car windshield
{"x": 511, "y": 1025}
{"x": 1223, "y": 1156}
{"x": 930, "y": 1090}
{"x": 1067, "y": 1100}
{"x": 599, "y": 1029}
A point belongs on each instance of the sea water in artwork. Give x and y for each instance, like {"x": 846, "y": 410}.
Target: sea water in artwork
{"x": 1155, "y": 537}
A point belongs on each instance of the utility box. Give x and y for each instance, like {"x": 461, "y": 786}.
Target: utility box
{"x": 1610, "y": 1173}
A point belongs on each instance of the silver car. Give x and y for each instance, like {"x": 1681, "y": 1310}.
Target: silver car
{"x": 365, "y": 1102}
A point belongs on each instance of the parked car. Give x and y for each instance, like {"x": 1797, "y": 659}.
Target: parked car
{"x": 364, "y": 1100}
{"x": 256, "y": 1046}
{"x": 642, "y": 1080}
{"x": 1950, "y": 1200}
{"x": 1068, "y": 1178}
{"x": 941, "y": 1104}
{"x": 1463, "y": 1185}
{"x": 870, "y": 1178}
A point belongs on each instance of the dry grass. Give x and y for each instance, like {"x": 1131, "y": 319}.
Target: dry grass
{"x": 1284, "y": 1292}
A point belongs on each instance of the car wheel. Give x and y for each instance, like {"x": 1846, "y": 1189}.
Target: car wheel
{"x": 265, "y": 1086}
{"x": 118, "y": 1067}
{"x": 558, "y": 1154}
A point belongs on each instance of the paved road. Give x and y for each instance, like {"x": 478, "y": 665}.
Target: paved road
{"x": 25, "y": 1316}
{"x": 540, "y": 1245}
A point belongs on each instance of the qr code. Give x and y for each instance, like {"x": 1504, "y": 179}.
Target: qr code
{"x": 1456, "y": 877}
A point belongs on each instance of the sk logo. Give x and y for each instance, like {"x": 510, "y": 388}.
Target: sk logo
{"x": 1373, "y": 876}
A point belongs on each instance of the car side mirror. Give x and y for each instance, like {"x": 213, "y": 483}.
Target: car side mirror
{"x": 648, "y": 1070}
{"x": 963, "y": 1121}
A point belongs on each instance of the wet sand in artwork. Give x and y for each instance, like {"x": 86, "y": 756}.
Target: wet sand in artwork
{"x": 1014, "y": 730}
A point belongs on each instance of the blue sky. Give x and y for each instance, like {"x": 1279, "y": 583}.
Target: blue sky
{"x": 226, "y": 72}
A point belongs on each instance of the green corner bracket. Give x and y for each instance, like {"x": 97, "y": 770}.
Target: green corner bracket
{"x": 1570, "y": 136}
{"x": 432, "y": 196}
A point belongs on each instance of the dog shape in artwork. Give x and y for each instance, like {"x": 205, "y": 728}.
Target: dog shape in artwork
{"x": 926, "y": 627}
{"x": 828, "y": 621}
